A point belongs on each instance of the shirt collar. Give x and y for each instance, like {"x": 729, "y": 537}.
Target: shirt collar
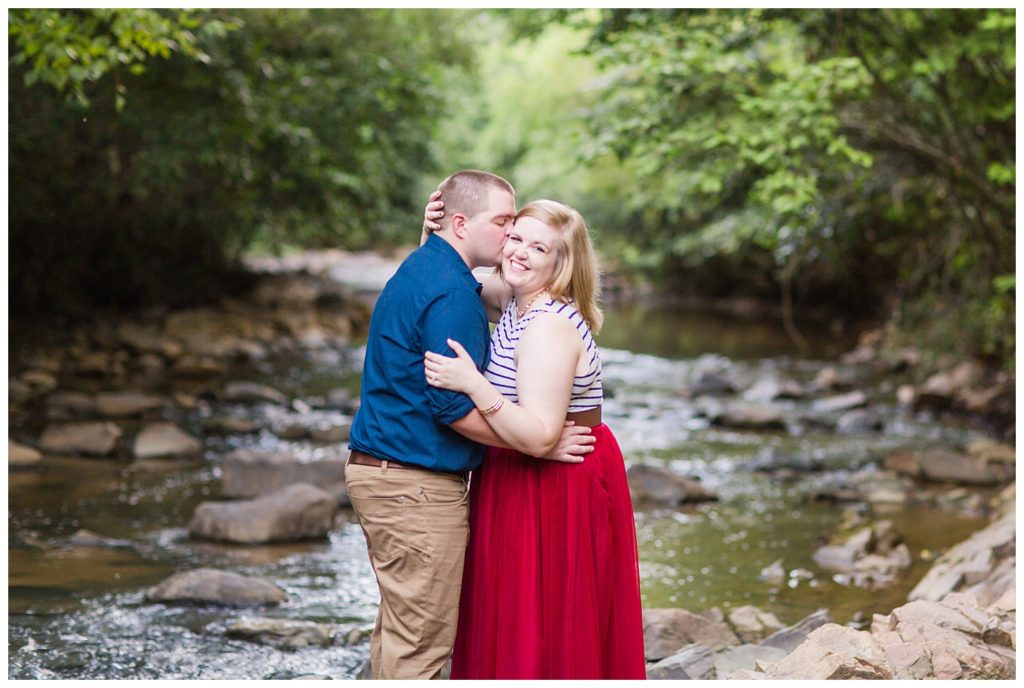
{"x": 447, "y": 252}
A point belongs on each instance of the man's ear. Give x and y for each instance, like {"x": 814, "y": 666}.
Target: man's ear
{"x": 459, "y": 228}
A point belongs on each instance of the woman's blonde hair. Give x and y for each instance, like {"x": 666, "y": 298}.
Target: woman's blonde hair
{"x": 577, "y": 273}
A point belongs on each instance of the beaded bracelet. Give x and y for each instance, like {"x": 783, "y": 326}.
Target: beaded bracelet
{"x": 494, "y": 407}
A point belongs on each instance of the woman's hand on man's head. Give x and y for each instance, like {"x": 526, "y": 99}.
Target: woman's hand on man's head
{"x": 434, "y": 210}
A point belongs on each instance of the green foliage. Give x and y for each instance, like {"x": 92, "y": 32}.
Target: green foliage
{"x": 875, "y": 143}
{"x": 294, "y": 128}
{"x": 69, "y": 50}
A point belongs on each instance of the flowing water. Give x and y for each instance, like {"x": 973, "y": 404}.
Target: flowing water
{"x": 80, "y": 612}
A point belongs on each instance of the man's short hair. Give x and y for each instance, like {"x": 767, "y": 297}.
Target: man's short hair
{"x": 466, "y": 193}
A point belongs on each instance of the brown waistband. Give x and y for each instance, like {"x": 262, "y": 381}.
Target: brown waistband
{"x": 588, "y": 418}
{"x": 361, "y": 459}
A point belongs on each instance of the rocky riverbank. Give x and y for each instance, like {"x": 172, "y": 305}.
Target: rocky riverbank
{"x": 242, "y": 449}
{"x": 958, "y": 623}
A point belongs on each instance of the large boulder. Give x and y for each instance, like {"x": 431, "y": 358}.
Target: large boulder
{"x": 297, "y": 512}
{"x": 285, "y": 634}
{"x": 969, "y": 563}
{"x": 952, "y": 639}
{"x": 94, "y": 439}
{"x": 165, "y": 439}
{"x": 666, "y": 631}
{"x": 789, "y": 638}
{"x": 124, "y": 404}
{"x": 211, "y": 586}
{"x": 834, "y": 652}
{"x": 693, "y": 663}
{"x": 251, "y": 472}
{"x": 941, "y": 389}
{"x": 649, "y": 483}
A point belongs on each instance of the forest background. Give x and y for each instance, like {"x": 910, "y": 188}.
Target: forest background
{"x": 856, "y": 161}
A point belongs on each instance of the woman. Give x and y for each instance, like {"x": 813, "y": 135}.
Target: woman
{"x": 551, "y": 584}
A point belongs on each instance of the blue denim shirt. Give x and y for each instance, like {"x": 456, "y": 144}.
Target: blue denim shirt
{"x": 432, "y": 297}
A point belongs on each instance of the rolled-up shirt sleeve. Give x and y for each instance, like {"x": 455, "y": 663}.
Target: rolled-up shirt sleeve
{"x": 456, "y": 314}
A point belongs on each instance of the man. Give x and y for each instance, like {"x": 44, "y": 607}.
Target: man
{"x": 413, "y": 444}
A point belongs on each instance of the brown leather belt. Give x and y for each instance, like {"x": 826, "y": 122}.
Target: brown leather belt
{"x": 361, "y": 459}
{"x": 589, "y": 418}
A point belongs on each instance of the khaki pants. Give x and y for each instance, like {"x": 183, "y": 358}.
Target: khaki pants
{"x": 416, "y": 524}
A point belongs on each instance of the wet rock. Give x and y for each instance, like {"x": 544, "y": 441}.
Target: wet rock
{"x": 648, "y": 483}
{"x": 18, "y": 392}
{"x": 666, "y": 631}
{"x": 904, "y": 462}
{"x": 94, "y": 439}
{"x": 297, "y": 512}
{"x": 125, "y": 404}
{"x": 250, "y": 392}
{"x": 211, "y": 586}
{"x": 194, "y": 365}
{"x": 148, "y": 340}
{"x": 881, "y": 487}
{"x": 712, "y": 384}
{"x": 872, "y": 557}
{"x": 251, "y": 473}
{"x": 833, "y": 652}
{"x": 970, "y": 563}
{"x": 98, "y": 364}
{"x": 748, "y": 416}
{"x": 284, "y": 634}
{"x": 39, "y": 380}
{"x": 295, "y": 431}
{"x": 772, "y": 459}
{"x": 906, "y": 395}
{"x": 21, "y": 456}
{"x": 340, "y": 400}
{"x": 941, "y": 389}
{"x": 165, "y": 439}
{"x": 789, "y": 638}
{"x": 150, "y": 363}
{"x": 841, "y": 402}
{"x": 69, "y": 405}
{"x": 331, "y": 435}
{"x": 770, "y": 389}
{"x": 745, "y": 657}
{"x": 751, "y": 624}
{"x": 695, "y": 663}
{"x": 996, "y": 400}
{"x": 286, "y": 289}
{"x": 774, "y": 573}
{"x": 87, "y": 538}
{"x": 998, "y": 458}
{"x": 356, "y": 636}
{"x": 829, "y": 379}
{"x": 944, "y": 465}
{"x": 229, "y": 425}
{"x": 859, "y": 421}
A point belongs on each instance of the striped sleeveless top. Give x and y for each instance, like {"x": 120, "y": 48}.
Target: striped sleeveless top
{"x": 587, "y": 392}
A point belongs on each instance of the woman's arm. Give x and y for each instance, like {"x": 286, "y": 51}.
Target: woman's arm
{"x": 548, "y": 353}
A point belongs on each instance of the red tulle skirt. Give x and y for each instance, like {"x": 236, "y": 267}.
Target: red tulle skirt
{"x": 551, "y": 587}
